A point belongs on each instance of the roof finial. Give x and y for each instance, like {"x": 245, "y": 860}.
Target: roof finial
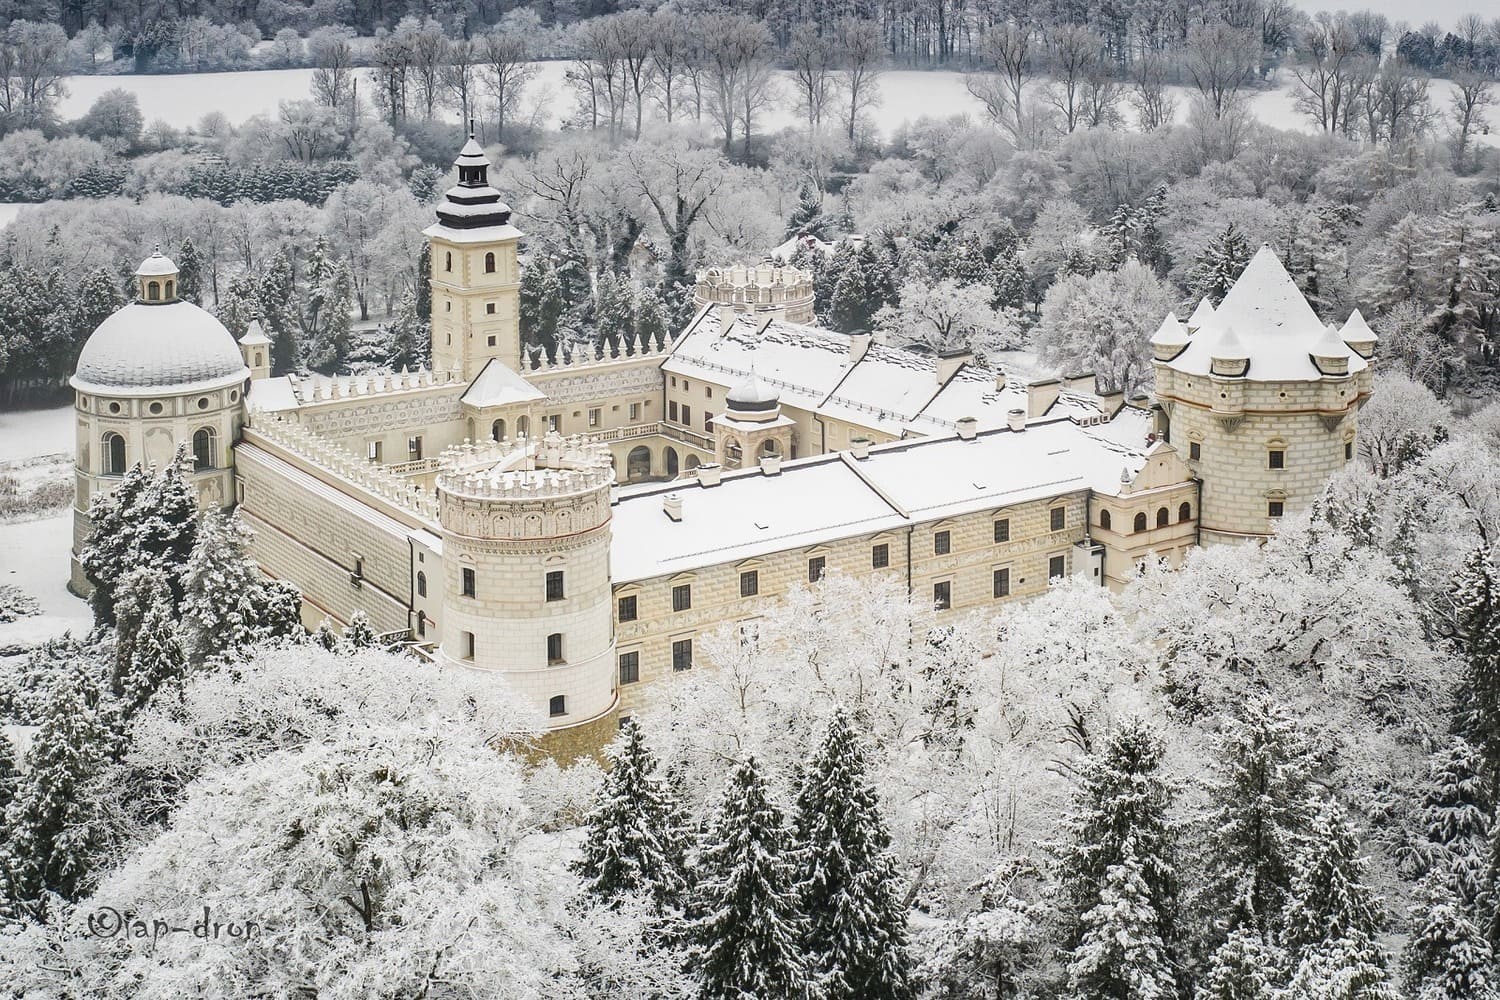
{"x": 471, "y": 126}
{"x": 157, "y": 251}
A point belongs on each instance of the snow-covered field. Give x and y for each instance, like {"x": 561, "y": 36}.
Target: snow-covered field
{"x": 30, "y": 433}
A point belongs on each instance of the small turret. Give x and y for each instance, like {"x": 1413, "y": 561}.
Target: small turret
{"x": 1201, "y": 316}
{"x": 1358, "y": 335}
{"x": 156, "y": 279}
{"x": 1169, "y": 339}
{"x": 1229, "y": 356}
{"x": 255, "y": 348}
{"x": 1330, "y": 354}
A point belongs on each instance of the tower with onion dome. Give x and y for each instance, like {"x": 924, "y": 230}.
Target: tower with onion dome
{"x": 476, "y": 279}
{"x": 1261, "y": 399}
{"x": 159, "y": 374}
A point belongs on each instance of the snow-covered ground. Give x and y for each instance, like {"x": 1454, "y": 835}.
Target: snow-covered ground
{"x": 31, "y": 433}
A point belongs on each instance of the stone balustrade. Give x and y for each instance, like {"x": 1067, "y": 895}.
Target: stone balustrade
{"x": 326, "y": 388}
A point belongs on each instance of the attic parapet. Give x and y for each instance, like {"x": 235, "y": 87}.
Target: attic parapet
{"x": 323, "y": 388}
{"x": 592, "y": 358}
{"x": 526, "y": 470}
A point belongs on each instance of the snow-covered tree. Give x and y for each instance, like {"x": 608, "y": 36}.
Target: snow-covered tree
{"x": 219, "y": 581}
{"x": 156, "y": 656}
{"x": 1103, "y": 323}
{"x": 652, "y": 329}
{"x": 750, "y": 928}
{"x": 107, "y": 553}
{"x": 360, "y": 634}
{"x": 1475, "y": 595}
{"x": 1331, "y": 902}
{"x": 1456, "y": 817}
{"x": 164, "y": 521}
{"x": 1448, "y": 955}
{"x": 1217, "y": 270}
{"x": 855, "y": 935}
{"x": 1121, "y": 953}
{"x": 948, "y": 317}
{"x": 1244, "y": 967}
{"x": 189, "y": 272}
{"x": 614, "y": 313}
{"x": 636, "y": 838}
{"x": 276, "y": 305}
{"x": 324, "y": 310}
{"x": 807, "y": 218}
{"x": 405, "y": 341}
{"x": 1401, "y": 423}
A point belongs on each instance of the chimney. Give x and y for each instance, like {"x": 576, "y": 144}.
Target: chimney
{"x": 1016, "y": 420}
{"x": 671, "y": 505}
{"x": 949, "y": 364}
{"x": 859, "y": 447}
{"x": 859, "y": 346}
{"x": 726, "y": 317}
{"x": 1081, "y": 382}
{"x": 999, "y": 380}
{"x": 968, "y": 428}
{"x": 709, "y": 473}
{"x": 770, "y": 465}
{"x": 1040, "y": 396}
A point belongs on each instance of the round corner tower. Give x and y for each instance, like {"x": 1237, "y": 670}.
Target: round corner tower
{"x": 774, "y": 290}
{"x": 526, "y": 580}
{"x": 1260, "y": 399}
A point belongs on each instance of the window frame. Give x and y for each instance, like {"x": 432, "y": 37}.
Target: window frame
{"x": 551, "y": 592}
{"x": 1057, "y": 519}
{"x": 555, "y": 649}
{"x": 628, "y": 667}
{"x": 942, "y": 594}
{"x": 817, "y": 568}
{"x": 468, "y": 582}
{"x": 682, "y": 655}
{"x": 1002, "y": 530}
{"x": 1000, "y": 582}
{"x": 682, "y": 597}
{"x": 1058, "y": 563}
{"x": 620, "y": 606}
{"x": 749, "y": 583}
{"x": 942, "y": 542}
{"x": 880, "y": 555}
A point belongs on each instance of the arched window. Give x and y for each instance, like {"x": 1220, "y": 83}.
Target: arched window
{"x": 112, "y": 453}
{"x": 497, "y": 430}
{"x": 1185, "y": 512}
{"x": 489, "y": 263}
{"x": 1140, "y": 522}
{"x": 1104, "y": 519}
{"x": 171, "y": 288}
{"x": 153, "y": 291}
{"x": 421, "y": 584}
{"x": 203, "y": 448}
{"x": 523, "y": 426}
{"x": 1162, "y": 517}
{"x": 770, "y": 447}
{"x": 258, "y": 361}
{"x": 448, "y": 261}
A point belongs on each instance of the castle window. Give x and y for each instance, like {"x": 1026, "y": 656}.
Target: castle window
{"x": 749, "y": 583}
{"x": 558, "y": 705}
{"x": 942, "y": 543}
{"x": 1002, "y": 530}
{"x": 630, "y": 667}
{"x": 171, "y": 289}
{"x": 1002, "y": 583}
{"x": 1277, "y": 458}
{"x": 203, "y": 448}
{"x": 942, "y": 595}
{"x": 373, "y": 450}
{"x": 708, "y": 426}
{"x": 448, "y": 261}
{"x": 523, "y": 426}
{"x": 1057, "y": 567}
{"x": 1348, "y": 451}
{"x": 594, "y": 417}
{"x": 555, "y": 585}
{"x": 112, "y": 450}
{"x": 635, "y": 412}
{"x": 627, "y": 611}
{"x": 682, "y": 597}
{"x": 1140, "y": 522}
{"x": 708, "y": 391}
{"x": 672, "y": 410}
{"x": 1195, "y": 451}
{"x": 880, "y": 556}
{"x": 467, "y": 644}
{"x": 155, "y": 409}
{"x": 414, "y": 448}
{"x": 153, "y": 291}
{"x": 1276, "y": 508}
{"x": 203, "y": 402}
{"x": 815, "y": 567}
{"x": 554, "y": 423}
{"x": 687, "y": 415}
{"x": 1104, "y": 520}
{"x": 489, "y": 308}
{"x": 489, "y": 263}
{"x": 1057, "y": 518}
{"x": 554, "y": 649}
{"x": 490, "y": 340}
{"x": 682, "y": 654}
{"x": 421, "y": 584}
{"x": 258, "y": 361}
{"x": 1163, "y": 518}
{"x": 1185, "y": 512}
{"x": 497, "y": 430}
{"x": 421, "y": 625}
{"x": 468, "y": 582}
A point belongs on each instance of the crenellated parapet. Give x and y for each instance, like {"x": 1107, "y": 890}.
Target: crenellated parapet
{"x": 762, "y": 288}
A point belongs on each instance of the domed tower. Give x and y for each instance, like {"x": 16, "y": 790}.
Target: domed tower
{"x": 157, "y": 374}
{"x": 476, "y": 279}
{"x": 752, "y": 427}
{"x": 1260, "y": 399}
{"x": 526, "y": 540}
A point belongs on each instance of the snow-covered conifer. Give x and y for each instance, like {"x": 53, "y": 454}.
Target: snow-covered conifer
{"x": 1244, "y": 967}
{"x": 324, "y": 636}
{"x": 651, "y": 327}
{"x": 1456, "y": 817}
{"x": 1475, "y": 594}
{"x": 855, "y": 936}
{"x": 217, "y": 583}
{"x": 807, "y": 218}
{"x": 106, "y": 552}
{"x": 1223, "y": 259}
{"x": 1448, "y": 956}
{"x": 156, "y": 657}
{"x": 1120, "y": 953}
{"x": 1330, "y": 900}
{"x": 750, "y": 928}
{"x": 360, "y": 634}
{"x": 189, "y": 272}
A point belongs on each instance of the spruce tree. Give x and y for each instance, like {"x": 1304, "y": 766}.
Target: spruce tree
{"x": 807, "y": 218}
{"x": 1342, "y": 969}
{"x": 750, "y": 927}
{"x": 276, "y": 301}
{"x": 651, "y": 324}
{"x": 107, "y": 554}
{"x": 50, "y": 826}
{"x": 614, "y": 314}
{"x": 1120, "y": 954}
{"x": 855, "y": 935}
{"x": 276, "y": 609}
{"x": 635, "y": 841}
{"x": 1456, "y": 811}
{"x": 1151, "y": 245}
{"x": 1475, "y": 597}
{"x": 166, "y": 522}
{"x": 405, "y": 341}
{"x": 1120, "y": 235}
{"x": 1263, "y": 767}
{"x": 1121, "y": 796}
{"x": 1242, "y": 968}
{"x": 156, "y": 658}
{"x": 218, "y": 582}
{"x": 96, "y": 299}
{"x": 423, "y": 286}
{"x": 1223, "y": 259}
{"x": 137, "y": 593}
{"x": 1448, "y": 956}
{"x": 189, "y": 273}
{"x": 10, "y": 783}
{"x": 324, "y": 636}
{"x": 360, "y": 634}
{"x": 1330, "y": 900}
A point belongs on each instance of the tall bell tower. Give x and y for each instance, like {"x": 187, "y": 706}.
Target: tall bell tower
{"x": 476, "y": 279}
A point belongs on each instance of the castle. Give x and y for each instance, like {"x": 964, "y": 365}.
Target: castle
{"x": 576, "y": 525}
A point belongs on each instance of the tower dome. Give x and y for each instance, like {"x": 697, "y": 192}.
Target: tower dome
{"x": 753, "y": 400}
{"x": 158, "y": 344}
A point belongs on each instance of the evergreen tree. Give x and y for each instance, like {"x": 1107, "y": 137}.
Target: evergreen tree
{"x": 1121, "y": 796}
{"x": 807, "y": 218}
{"x": 1242, "y": 968}
{"x": 1120, "y": 954}
{"x": 96, "y": 298}
{"x": 855, "y": 935}
{"x": 1456, "y": 813}
{"x": 107, "y": 554}
{"x": 165, "y": 523}
{"x": 276, "y": 301}
{"x": 276, "y": 608}
{"x": 219, "y": 581}
{"x": 360, "y": 634}
{"x": 1447, "y": 956}
{"x": 636, "y": 840}
{"x": 423, "y": 286}
{"x": 137, "y": 593}
{"x": 324, "y": 636}
{"x": 1475, "y": 596}
{"x": 542, "y": 305}
{"x": 323, "y": 315}
{"x": 10, "y": 782}
{"x": 1263, "y": 768}
{"x": 1223, "y": 259}
{"x": 405, "y": 341}
{"x": 51, "y": 834}
{"x": 156, "y": 657}
{"x": 239, "y": 305}
{"x": 749, "y": 929}
{"x": 1341, "y": 969}
{"x": 1330, "y": 900}
{"x": 1120, "y": 235}
{"x": 189, "y": 273}
{"x": 1151, "y": 245}
{"x": 614, "y": 314}
{"x": 651, "y": 324}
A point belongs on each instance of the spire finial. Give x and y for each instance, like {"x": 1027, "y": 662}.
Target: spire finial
{"x": 157, "y": 251}
{"x": 471, "y": 126}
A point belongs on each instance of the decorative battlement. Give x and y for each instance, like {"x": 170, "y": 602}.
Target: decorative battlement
{"x": 325, "y": 388}
{"x": 331, "y": 459}
{"x": 586, "y": 357}
{"x": 526, "y": 469}
{"x": 763, "y": 288}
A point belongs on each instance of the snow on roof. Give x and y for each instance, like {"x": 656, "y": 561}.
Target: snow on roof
{"x": 1201, "y": 315}
{"x": 472, "y": 153}
{"x": 156, "y": 265}
{"x": 272, "y": 395}
{"x": 818, "y": 500}
{"x": 886, "y": 390}
{"x": 254, "y": 335}
{"x": 483, "y": 234}
{"x": 497, "y": 385}
{"x": 752, "y": 392}
{"x": 1330, "y": 345}
{"x": 145, "y": 349}
{"x": 804, "y": 363}
{"x": 1357, "y": 331}
{"x": 1266, "y": 319}
{"x": 1171, "y": 333}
